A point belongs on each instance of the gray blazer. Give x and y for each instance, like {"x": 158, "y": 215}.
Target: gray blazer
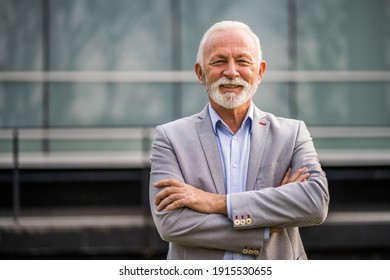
{"x": 186, "y": 149}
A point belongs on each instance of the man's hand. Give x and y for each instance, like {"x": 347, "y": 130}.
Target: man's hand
{"x": 178, "y": 194}
{"x": 299, "y": 176}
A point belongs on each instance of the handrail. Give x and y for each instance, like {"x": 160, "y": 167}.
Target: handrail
{"x": 16, "y": 176}
{"x": 350, "y": 131}
{"x": 138, "y": 132}
{"x": 185, "y": 76}
{"x": 79, "y": 133}
{"x": 139, "y": 157}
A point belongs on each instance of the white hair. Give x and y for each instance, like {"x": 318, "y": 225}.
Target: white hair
{"x": 226, "y": 26}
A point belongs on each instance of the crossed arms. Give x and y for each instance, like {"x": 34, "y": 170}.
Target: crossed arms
{"x": 188, "y": 211}
{"x": 178, "y": 194}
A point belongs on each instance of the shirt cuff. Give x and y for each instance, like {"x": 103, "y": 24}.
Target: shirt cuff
{"x": 229, "y": 206}
{"x": 266, "y": 234}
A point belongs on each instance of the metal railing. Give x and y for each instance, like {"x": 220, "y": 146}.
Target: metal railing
{"x": 185, "y": 76}
{"x": 44, "y": 159}
{"x": 139, "y": 156}
{"x": 18, "y": 160}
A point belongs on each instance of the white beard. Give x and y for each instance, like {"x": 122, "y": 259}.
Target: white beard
{"x": 231, "y": 100}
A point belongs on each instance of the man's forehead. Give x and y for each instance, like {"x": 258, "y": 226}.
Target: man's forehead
{"x": 234, "y": 38}
{"x": 231, "y": 40}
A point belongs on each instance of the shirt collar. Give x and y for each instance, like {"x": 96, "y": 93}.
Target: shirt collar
{"x": 215, "y": 118}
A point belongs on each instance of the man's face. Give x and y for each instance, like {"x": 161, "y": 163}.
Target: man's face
{"x": 231, "y": 68}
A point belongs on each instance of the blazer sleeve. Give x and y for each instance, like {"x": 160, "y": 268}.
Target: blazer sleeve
{"x": 295, "y": 204}
{"x": 185, "y": 226}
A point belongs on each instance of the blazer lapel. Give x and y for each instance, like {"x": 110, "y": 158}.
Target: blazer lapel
{"x": 210, "y": 148}
{"x": 260, "y": 128}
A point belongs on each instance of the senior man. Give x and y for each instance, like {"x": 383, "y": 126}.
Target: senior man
{"x": 234, "y": 182}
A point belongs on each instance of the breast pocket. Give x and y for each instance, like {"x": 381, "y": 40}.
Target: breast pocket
{"x": 271, "y": 175}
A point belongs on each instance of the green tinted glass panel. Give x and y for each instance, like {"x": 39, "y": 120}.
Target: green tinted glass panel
{"x": 110, "y": 104}
{"x": 194, "y": 98}
{"x": 344, "y": 104}
{"x": 110, "y": 35}
{"x": 21, "y": 105}
{"x": 273, "y": 98}
{"x": 20, "y": 35}
{"x": 343, "y": 35}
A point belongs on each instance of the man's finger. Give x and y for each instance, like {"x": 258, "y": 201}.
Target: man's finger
{"x": 303, "y": 177}
{"x": 162, "y": 195}
{"x": 165, "y": 183}
{"x": 286, "y": 176}
{"x": 168, "y": 183}
{"x": 165, "y": 202}
{"x": 175, "y": 205}
{"x": 298, "y": 173}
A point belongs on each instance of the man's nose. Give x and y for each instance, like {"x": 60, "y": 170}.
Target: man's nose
{"x": 231, "y": 70}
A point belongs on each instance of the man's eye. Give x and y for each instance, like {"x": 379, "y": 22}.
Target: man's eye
{"x": 218, "y": 62}
{"x": 244, "y": 62}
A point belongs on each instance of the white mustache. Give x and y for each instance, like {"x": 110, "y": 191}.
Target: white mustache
{"x": 234, "y": 82}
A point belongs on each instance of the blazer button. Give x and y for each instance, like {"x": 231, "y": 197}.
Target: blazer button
{"x": 249, "y": 221}
{"x": 250, "y": 252}
{"x": 243, "y": 222}
{"x": 256, "y": 252}
{"x": 237, "y": 222}
{"x": 245, "y": 251}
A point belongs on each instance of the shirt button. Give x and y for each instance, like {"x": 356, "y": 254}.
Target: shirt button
{"x": 238, "y": 255}
{"x": 235, "y": 165}
{"x": 235, "y": 137}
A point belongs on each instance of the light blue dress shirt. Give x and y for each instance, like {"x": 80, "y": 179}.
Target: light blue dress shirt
{"x": 234, "y": 151}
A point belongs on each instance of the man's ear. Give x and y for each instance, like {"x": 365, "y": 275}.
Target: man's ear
{"x": 199, "y": 73}
{"x": 263, "y": 66}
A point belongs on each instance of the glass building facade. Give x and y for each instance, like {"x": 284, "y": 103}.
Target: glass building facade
{"x": 328, "y": 63}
